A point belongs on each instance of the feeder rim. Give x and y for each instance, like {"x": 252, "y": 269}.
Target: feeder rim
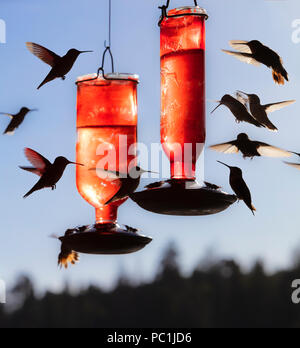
{"x": 200, "y": 11}
{"x": 109, "y": 77}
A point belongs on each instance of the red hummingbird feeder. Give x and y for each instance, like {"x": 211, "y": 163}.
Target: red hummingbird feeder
{"x": 106, "y": 123}
{"x": 106, "y": 118}
{"x": 183, "y": 128}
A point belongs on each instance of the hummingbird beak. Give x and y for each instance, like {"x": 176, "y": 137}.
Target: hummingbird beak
{"x": 77, "y": 164}
{"x": 86, "y": 52}
{"x": 224, "y": 164}
{"x": 241, "y": 43}
{"x": 33, "y": 110}
{"x": 217, "y": 106}
{"x": 148, "y": 171}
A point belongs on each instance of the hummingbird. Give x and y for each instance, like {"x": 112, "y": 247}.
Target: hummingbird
{"x": 49, "y": 173}
{"x": 16, "y": 120}
{"x": 250, "y": 148}
{"x": 67, "y": 255}
{"x": 238, "y": 109}
{"x": 212, "y": 186}
{"x": 131, "y": 229}
{"x": 239, "y": 186}
{"x": 255, "y": 53}
{"x": 128, "y": 183}
{"x": 260, "y": 112}
{"x": 60, "y": 65}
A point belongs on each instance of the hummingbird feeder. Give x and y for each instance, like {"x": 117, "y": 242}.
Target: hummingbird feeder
{"x": 106, "y": 118}
{"x": 183, "y": 128}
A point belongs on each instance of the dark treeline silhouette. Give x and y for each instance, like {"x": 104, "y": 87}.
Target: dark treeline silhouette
{"x": 217, "y": 294}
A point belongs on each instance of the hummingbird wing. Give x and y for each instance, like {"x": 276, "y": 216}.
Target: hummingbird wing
{"x": 6, "y": 114}
{"x": 277, "y": 106}
{"x": 244, "y": 57}
{"x": 43, "y": 53}
{"x": 39, "y": 162}
{"x": 294, "y": 165}
{"x": 106, "y": 174}
{"x": 228, "y": 148}
{"x": 32, "y": 170}
{"x": 271, "y": 151}
{"x": 243, "y": 100}
{"x": 240, "y": 45}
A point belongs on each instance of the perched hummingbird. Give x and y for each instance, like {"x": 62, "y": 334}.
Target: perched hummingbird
{"x": 254, "y": 52}
{"x": 260, "y": 112}
{"x": 16, "y": 120}
{"x": 239, "y": 186}
{"x": 131, "y": 229}
{"x": 238, "y": 109}
{"x": 60, "y": 65}
{"x": 250, "y": 148}
{"x": 50, "y": 173}
{"x": 212, "y": 186}
{"x": 128, "y": 184}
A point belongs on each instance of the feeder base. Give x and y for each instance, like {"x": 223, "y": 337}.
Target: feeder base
{"x": 104, "y": 239}
{"x": 183, "y": 198}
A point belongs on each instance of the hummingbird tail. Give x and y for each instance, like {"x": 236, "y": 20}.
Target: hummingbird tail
{"x": 66, "y": 257}
{"x": 42, "y": 84}
{"x": 35, "y": 188}
{"x": 278, "y": 77}
{"x": 29, "y": 193}
{"x": 253, "y": 209}
{"x": 271, "y": 127}
{"x": 50, "y": 77}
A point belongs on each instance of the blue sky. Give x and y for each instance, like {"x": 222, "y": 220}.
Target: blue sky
{"x": 26, "y": 224}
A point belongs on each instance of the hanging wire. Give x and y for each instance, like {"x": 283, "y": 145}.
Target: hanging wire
{"x": 107, "y": 49}
{"x": 164, "y": 12}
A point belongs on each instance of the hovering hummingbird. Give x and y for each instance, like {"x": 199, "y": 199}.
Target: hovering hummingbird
{"x": 239, "y": 186}
{"x": 254, "y": 52}
{"x": 128, "y": 184}
{"x": 50, "y": 173}
{"x": 260, "y": 112}
{"x": 16, "y": 120}
{"x": 238, "y": 109}
{"x": 67, "y": 255}
{"x": 60, "y": 65}
{"x": 250, "y": 148}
